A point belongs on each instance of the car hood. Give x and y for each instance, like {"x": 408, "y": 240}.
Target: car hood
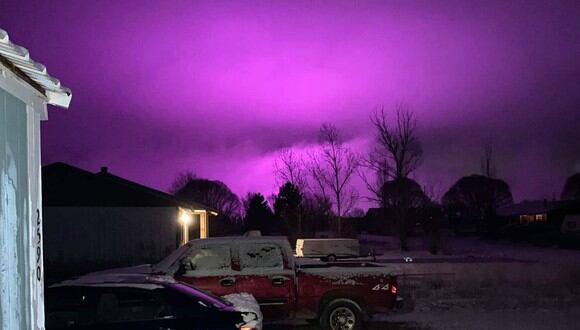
{"x": 140, "y": 269}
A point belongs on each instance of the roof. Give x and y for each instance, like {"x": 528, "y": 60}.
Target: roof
{"x": 17, "y": 59}
{"x": 67, "y": 185}
{"x": 387, "y": 213}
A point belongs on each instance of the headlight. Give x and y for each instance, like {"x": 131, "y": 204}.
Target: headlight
{"x": 246, "y": 327}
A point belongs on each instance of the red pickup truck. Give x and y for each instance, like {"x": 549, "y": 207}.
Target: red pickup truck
{"x": 338, "y": 295}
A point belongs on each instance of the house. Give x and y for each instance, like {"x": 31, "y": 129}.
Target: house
{"x": 25, "y": 91}
{"x": 99, "y": 220}
{"x": 539, "y": 212}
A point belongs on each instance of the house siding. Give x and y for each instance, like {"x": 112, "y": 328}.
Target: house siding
{"x": 21, "y": 264}
{"x": 82, "y": 239}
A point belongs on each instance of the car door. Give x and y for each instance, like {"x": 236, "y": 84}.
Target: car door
{"x": 133, "y": 308}
{"x": 267, "y": 275}
{"x": 69, "y": 307}
{"x": 208, "y": 266}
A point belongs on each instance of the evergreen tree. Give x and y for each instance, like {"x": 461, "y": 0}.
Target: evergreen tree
{"x": 258, "y": 216}
{"x": 287, "y": 207}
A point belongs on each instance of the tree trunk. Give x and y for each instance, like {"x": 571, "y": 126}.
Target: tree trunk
{"x": 299, "y": 222}
{"x": 403, "y": 218}
{"x": 403, "y": 231}
{"x": 338, "y": 209}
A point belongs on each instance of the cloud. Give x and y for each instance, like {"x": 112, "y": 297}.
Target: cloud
{"x": 220, "y": 87}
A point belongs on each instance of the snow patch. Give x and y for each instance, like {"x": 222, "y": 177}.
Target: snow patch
{"x": 262, "y": 255}
{"x": 246, "y": 304}
{"x": 210, "y": 258}
{"x": 144, "y": 286}
{"x": 347, "y": 275}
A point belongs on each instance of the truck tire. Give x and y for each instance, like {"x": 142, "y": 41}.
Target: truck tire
{"x": 331, "y": 258}
{"x": 341, "y": 314}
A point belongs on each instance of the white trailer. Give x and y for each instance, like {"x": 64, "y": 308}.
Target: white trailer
{"x": 328, "y": 249}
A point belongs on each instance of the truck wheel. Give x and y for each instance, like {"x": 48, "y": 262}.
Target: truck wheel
{"x": 331, "y": 258}
{"x": 341, "y": 314}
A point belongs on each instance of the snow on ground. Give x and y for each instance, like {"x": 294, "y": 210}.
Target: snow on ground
{"x": 528, "y": 319}
{"x": 507, "y": 286}
{"x": 502, "y": 286}
{"x": 466, "y": 247}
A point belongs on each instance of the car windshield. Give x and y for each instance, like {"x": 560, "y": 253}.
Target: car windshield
{"x": 164, "y": 265}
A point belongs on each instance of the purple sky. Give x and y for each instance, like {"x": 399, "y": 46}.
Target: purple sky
{"x": 218, "y": 88}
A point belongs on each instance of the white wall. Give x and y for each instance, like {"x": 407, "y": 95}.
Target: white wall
{"x": 21, "y": 267}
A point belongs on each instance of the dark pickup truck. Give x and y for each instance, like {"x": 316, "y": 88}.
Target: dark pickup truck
{"x": 338, "y": 295}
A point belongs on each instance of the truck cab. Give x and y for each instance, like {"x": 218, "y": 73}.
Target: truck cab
{"x": 261, "y": 266}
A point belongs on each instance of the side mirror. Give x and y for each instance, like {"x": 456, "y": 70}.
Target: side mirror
{"x": 182, "y": 269}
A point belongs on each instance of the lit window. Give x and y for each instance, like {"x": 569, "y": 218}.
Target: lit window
{"x": 526, "y": 218}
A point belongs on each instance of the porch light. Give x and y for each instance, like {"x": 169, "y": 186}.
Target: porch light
{"x": 185, "y": 218}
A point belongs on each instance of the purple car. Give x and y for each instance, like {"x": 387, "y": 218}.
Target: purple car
{"x": 143, "y": 302}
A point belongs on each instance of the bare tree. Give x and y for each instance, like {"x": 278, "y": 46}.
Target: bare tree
{"x": 398, "y": 142}
{"x": 289, "y": 167}
{"x": 316, "y": 211}
{"x": 374, "y": 170}
{"x": 432, "y": 190}
{"x": 397, "y": 153}
{"x": 212, "y": 193}
{"x": 318, "y": 174}
{"x": 332, "y": 168}
{"x": 487, "y": 166}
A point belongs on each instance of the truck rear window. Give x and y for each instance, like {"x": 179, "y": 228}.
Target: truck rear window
{"x": 261, "y": 255}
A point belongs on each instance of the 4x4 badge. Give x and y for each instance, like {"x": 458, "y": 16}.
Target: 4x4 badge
{"x": 381, "y": 287}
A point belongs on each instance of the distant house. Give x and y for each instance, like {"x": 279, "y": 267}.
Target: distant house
{"x": 539, "y": 212}
{"x": 99, "y": 220}
{"x": 25, "y": 91}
